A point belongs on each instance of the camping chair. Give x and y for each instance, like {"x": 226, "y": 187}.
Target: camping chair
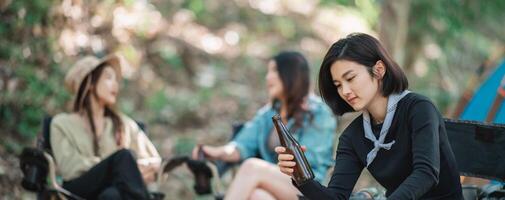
{"x": 224, "y": 167}
{"x": 38, "y": 165}
{"x": 204, "y": 170}
{"x": 479, "y": 149}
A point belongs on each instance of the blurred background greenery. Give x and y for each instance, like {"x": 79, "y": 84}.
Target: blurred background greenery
{"x": 197, "y": 66}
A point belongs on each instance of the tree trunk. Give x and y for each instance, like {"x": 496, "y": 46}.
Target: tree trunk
{"x": 393, "y": 28}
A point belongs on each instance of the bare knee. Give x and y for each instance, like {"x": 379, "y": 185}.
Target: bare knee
{"x": 252, "y": 165}
{"x": 250, "y": 171}
{"x": 260, "y": 194}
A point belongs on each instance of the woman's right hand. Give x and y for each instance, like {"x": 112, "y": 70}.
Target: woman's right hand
{"x": 286, "y": 162}
{"x": 209, "y": 152}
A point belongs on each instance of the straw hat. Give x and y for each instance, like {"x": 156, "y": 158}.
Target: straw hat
{"x": 86, "y": 65}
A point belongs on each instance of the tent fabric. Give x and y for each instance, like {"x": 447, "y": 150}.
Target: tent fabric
{"x": 482, "y": 100}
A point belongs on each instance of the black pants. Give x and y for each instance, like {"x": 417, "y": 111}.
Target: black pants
{"x": 116, "y": 177}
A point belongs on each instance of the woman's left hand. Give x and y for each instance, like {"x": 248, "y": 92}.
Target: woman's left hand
{"x": 149, "y": 171}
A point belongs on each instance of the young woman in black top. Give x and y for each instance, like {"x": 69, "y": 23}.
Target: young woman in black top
{"x": 400, "y": 137}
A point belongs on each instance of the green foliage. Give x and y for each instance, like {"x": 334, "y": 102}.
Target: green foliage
{"x": 157, "y": 101}
{"x": 287, "y": 28}
{"x": 465, "y": 31}
{"x": 339, "y": 2}
{"x": 165, "y": 89}
{"x": 29, "y": 89}
{"x": 197, "y": 6}
{"x": 448, "y": 20}
{"x": 32, "y": 12}
{"x": 32, "y": 76}
{"x": 184, "y": 145}
{"x": 369, "y": 10}
{"x": 171, "y": 58}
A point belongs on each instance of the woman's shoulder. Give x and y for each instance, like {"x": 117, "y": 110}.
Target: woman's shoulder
{"x": 125, "y": 118}
{"x": 265, "y": 111}
{"x": 65, "y": 119}
{"x": 414, "y": 97}
{"x": 353, "y": 134}
{"x": 414, "y": 102}
{"x": 315, "y": 101}
{"x": 129, "y": 123}
{"x": 317, "y": 105}
{"x": 417, "y": 110}
{"x": 355, "y": 126}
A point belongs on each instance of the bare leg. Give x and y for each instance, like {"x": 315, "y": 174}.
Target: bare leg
{"x": 260, "y": 194}
{"x": 259, "y": 174}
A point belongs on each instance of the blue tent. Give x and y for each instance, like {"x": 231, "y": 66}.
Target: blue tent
{"x": 482, "y": 100}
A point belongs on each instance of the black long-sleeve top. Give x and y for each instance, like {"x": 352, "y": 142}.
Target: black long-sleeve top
{"x": 419, "y": 165}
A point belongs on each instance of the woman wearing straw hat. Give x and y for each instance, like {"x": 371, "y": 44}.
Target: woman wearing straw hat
{"x": 100, "y": 153}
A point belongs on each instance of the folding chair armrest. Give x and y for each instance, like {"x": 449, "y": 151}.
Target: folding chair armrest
{"x": 217, "y": 180}
{"x": 52, "y": 170}
{"x": 159, "y": 175}
{"x": 52, "y": 177}
{"x": 218, "y": 186}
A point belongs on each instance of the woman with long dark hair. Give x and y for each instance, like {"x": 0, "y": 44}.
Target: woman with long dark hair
{"x": 400, "y": 136}
{"x": 310, "y": 121}
{"x": 100, "y": 153}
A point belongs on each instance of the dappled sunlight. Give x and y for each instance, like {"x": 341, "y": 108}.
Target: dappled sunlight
{"x": 231, "y": 37}
{"x": 332, "y": 24}
{"x": 304, "y": 7}
{"x": 266, "y": 6}
{"x": 142, "y": 18}
{"x": 195, "y": 67}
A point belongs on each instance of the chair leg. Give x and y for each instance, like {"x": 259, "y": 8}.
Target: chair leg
{"x": 159, "y": 175}
{"x": 218, "y": 186}
{"x": 218, "y": 190}
{"x": 52, "y": 176}
{"x": 50, "y": 194}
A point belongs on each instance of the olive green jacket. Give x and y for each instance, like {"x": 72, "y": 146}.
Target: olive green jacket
{"x": 72, "y": 144}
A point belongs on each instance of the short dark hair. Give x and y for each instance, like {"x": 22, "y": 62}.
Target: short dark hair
{"x": 365, "y": 50}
